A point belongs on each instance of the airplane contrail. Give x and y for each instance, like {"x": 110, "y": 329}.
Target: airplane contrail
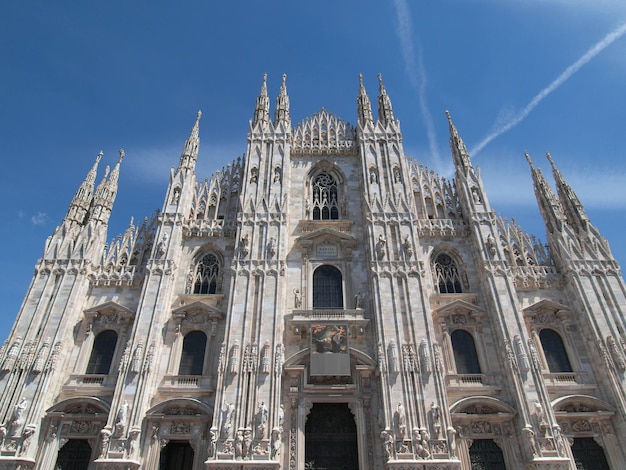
{"x": 569, "y": 71}
{"x": 416, "y": 73}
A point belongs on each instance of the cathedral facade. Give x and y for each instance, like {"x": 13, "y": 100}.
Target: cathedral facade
{"x": 323, "y": 302}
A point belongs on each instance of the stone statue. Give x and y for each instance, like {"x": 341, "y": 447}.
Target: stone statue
{"x": 122, "y": 416}
{"x": 436, "y": 414}
{"x": 401, "y": 420}
{"x": 271, "y": 247}
{"x": 212, "y": 442}
{"x": 16, "y": 418}
{"x": 275, "y": 444}
{"x": 297, "y": 301}
{"x": 387, "y": 437}
{"x": 227, "y": 424}
{"x": 381, "y": 246}
{"x": 104, "y": 441}
{"x": 247, "y": 443}
{"x": 261, "y": 420}
{"x": 239, "y": 445}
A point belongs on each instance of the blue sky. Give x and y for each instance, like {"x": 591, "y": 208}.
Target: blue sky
{"x": 80, "y": 77}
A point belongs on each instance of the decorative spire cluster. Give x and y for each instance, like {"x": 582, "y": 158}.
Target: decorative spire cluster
{"x": 574, "y": 211}
{"x": 262, "y": 110}
{"x": 459, "y": 151}
{"x": 385, "y": 112}
{"x": 549, "y": 204}
{"x": 364, "y": 107}
{"x": 189, "y": 155}
{"x": 106, "y": 191}
{"x": 79, "y": 207}
{"x": 282, "y": 104}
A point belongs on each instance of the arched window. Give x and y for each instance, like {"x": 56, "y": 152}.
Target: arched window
{"x": 554, "y": 351}
{"x": 465, "y": 355}
{"x": 325, "y": 197}
{"x": 447, "y": 275}
{"x": 192, "y": 357}
{"x": 102, "y": 353}
{"x": 206, "y": 275}
{"x": 327, "y": 287}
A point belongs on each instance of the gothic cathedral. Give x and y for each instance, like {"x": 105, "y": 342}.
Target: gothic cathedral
{"x": 323, "y": 302}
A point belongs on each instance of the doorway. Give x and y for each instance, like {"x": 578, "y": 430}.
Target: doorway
{"x": 74, "y": 455}
{"x": 588, "y": 455}
{"x": 331, "y": 438}
{"x": 176, "y": 455}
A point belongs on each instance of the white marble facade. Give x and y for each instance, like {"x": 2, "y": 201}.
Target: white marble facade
{"x": 322, "y": 275}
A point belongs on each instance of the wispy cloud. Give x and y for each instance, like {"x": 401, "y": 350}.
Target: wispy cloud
{"x": 152, "y": 165}
{"x": 39, "y": 218}
{"x": 539, "y": 97}
{"x": 416, "y": 72}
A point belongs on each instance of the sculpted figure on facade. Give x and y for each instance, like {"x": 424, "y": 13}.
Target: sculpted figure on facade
{"x": 122, "y": 416}
{"x": 261, "y": 419}
{"x": 227, "y": 420}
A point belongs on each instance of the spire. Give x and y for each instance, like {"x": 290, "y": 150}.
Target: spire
{"x": 190, "y": 152}
{"x": 460, "y": 154}
{"x": 364, "y": 107}
{"x": 569, "y": 201}
{"x": 105, "y": 193}
{"x": 262, "y": 110}
{"x": 548, "y": 203}
{"x": 385, "y": 112}
{"x": 282, "y": 104}
{"x": 79, "y": 207}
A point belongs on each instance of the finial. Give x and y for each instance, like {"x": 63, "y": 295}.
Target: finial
{"x": 99, "y": 156}
{"x": 530, "y": 162}
{"x": 199, "y": 115}
{"x": 121, "y": 156}
{"x": 381, "y": 86}
{"x": 106, "y": 172}
{"x": 549, "y": 157}
{"x": 361, "y": 79}
{"x": 265, "y": 78}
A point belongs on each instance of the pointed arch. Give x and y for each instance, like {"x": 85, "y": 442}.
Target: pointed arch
{"x": 448, "y": 271}
{"x": 326, "y": 191}
{"x": 206, "y": 272}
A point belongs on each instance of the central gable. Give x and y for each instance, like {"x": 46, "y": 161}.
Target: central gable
{"x": 323, "y": 132}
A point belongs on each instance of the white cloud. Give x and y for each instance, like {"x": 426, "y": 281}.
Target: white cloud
{"x": 554, "y": 85}
{"x": 416, "y": 73}
{"x": 39, "y": 218}
{"x": 152, "y": 165}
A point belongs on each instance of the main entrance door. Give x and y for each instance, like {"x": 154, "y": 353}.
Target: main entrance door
{"x": 330, "y": 438}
